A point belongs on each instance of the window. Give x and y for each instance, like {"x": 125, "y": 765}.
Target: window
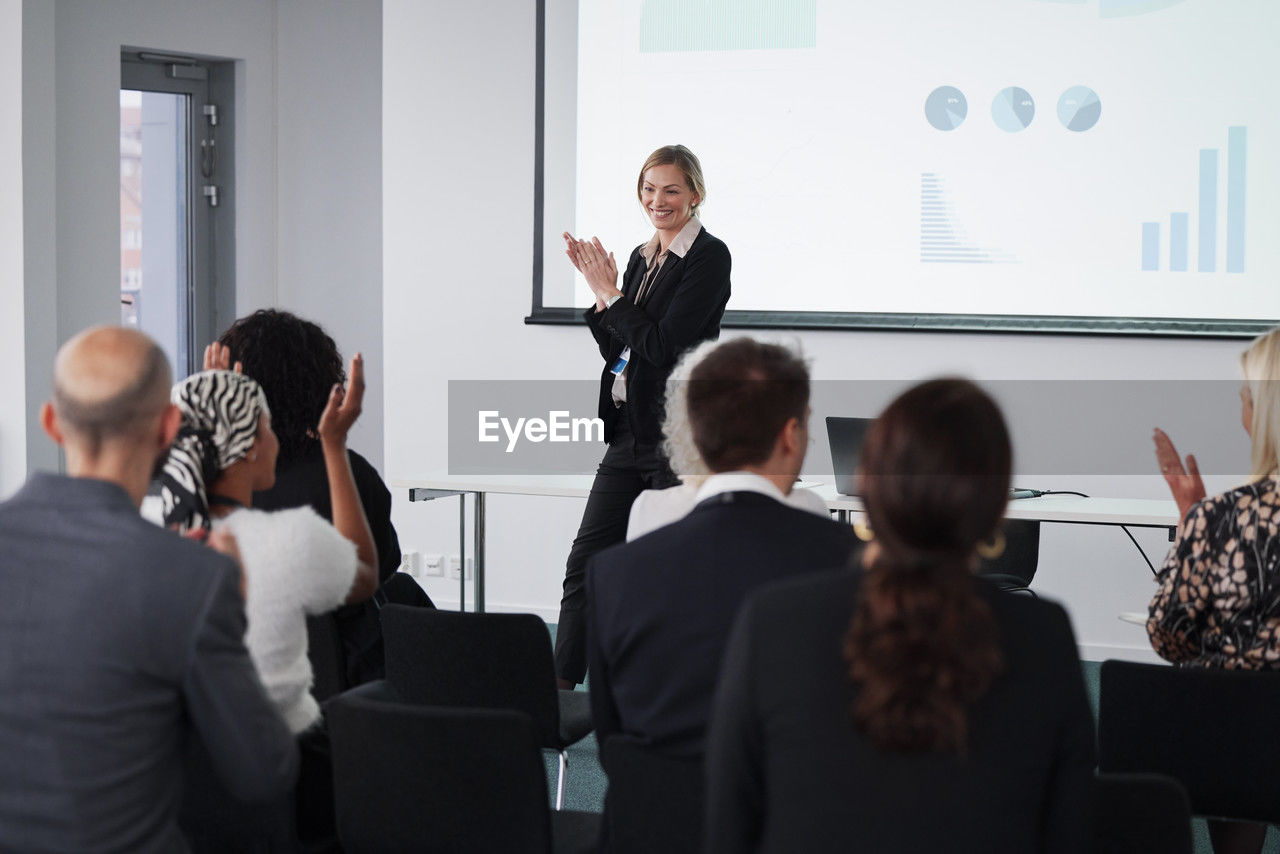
{"x": 173, "y": 189}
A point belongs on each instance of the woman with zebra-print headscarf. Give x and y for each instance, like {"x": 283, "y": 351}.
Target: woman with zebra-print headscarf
{"x": 295, "y": 563}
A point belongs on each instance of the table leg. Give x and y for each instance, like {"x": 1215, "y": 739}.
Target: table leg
{"x": 478, "y": 540}
{"x": 462, "y": 551}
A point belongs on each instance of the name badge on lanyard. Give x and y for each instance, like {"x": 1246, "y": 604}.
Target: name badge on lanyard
{"x": 621, "y": 364}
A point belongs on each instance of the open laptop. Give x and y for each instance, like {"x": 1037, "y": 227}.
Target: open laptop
{"x": 846, "y": 436}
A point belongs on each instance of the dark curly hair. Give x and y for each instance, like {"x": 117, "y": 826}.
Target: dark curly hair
{"x": 297, "y": 365}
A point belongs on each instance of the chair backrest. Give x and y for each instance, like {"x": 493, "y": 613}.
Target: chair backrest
{"x": 484, "y": 661}
{"x": 1214, "y": 731}
{"x": 328, "y": 657}
{"x": 416, "y": 778}
{"x": 1140, "y": 812}
{"x": 654, "y": 802}
{"x": 1016, "y": 566}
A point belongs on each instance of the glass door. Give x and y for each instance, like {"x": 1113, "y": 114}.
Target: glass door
{"x": 168, "y": 165}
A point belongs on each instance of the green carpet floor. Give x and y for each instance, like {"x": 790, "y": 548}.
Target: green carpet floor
{"x": 587, "y": 783}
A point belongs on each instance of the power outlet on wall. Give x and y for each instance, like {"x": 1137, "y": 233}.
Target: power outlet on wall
{"x": 433, "y": 565}
{"x": 411, "y": 563}
{"x": 455, "y": 566}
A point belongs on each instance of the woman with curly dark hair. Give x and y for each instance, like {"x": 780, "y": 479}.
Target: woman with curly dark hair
{"x": 298, "y": 364}
{"x": 909, "y": 705}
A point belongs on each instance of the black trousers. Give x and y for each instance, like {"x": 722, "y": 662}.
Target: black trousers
{"x": 626, "y": 470}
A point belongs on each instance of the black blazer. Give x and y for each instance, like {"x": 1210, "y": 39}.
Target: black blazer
{"x": 788, "y": 772}
{"x": 683, "y": 307}
{"x": 660, "y": 609}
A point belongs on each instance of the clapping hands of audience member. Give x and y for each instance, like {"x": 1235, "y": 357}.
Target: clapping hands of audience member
{"x": 1184, "y": 482}
{"x": 344, "y": 406}
{"x": 217, "y": 357}
{"x": 349, "y": 518}
{"x": 597, "y": 266}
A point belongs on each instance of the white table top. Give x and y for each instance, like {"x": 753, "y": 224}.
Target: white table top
{"x": 1047, "y": 508}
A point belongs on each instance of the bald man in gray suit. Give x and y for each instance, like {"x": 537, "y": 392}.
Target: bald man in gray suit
{"x": 119, "y": 641}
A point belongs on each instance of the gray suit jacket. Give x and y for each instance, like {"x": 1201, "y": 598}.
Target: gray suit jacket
{"x": 119, "y": 640}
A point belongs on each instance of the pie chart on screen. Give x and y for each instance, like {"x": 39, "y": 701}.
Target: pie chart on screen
{"x": 1079, "y": 108}
{"x": 946, "y": 108}
{"x": 1013, "y": 109}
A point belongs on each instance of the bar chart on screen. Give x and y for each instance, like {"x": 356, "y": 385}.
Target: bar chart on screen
{"x": 1207, "y": 216}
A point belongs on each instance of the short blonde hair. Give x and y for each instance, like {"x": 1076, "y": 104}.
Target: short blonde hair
{"x": 684, "y": 160}
{"x": 1261, "y": 364}
{"x": 677, "y": 442}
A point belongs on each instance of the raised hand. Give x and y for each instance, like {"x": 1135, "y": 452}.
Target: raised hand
{"x": 343, "y": 407}
{"x": 341, "y": 411}
{"x": 1185, "y": 483}
{"x": 217, "y": 357}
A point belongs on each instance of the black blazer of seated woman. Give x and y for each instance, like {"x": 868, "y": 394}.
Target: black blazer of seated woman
{"x": 670, "y": 297}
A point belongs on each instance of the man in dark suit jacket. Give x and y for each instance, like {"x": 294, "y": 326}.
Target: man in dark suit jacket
{"x": 661, "y": 607}
{"x": 119, "y": 641}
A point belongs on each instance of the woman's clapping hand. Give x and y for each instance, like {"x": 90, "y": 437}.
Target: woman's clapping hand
{"x": 1184, "y": 482}
{"x": 344, "y": 405}
{"x": 217, "y": 357}
{"x": 596, "y": 265}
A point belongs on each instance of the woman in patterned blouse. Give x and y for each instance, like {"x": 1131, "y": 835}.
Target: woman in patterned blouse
{"x": 1219, "y": 598}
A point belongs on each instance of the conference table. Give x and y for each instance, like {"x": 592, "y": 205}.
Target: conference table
{"x": 1067, "y": 509}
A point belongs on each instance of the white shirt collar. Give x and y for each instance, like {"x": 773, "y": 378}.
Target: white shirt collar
{"x": 738, "y": 481}
{"x": 679, "y": 246}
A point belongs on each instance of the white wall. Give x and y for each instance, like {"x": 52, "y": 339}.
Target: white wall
{"x": 88, "y": 36}
{"x": 13, "y": 431}
{"x": 308, "y": 176}
{"x": 39, "y": 203}
{"x": 329, "y": 102}
{"x": 457, "y": 212}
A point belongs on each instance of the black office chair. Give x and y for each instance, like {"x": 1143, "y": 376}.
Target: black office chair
{"x": 1214, "y": 731}
{"x": 1014, "y": 569}
{"x": 1140, "y": 812}
{"x": 328, "y": 657}
{"x": 418, "y": 778}
{"x": 654, "y": 802}
{"x": 486, "y": 661}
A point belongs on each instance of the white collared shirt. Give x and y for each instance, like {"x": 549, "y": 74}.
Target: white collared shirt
{"x": 656, "y": 508}
{"x": 680, "y": 245}
{"x": 739, "y": 481}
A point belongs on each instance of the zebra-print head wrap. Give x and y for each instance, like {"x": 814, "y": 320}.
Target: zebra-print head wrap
{"x": 220, "y": 411}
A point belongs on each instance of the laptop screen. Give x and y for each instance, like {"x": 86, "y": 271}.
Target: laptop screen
{"x": 846, "y": 436}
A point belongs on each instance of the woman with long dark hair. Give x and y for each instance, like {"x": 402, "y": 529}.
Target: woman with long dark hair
{"x": 908, "y": 705}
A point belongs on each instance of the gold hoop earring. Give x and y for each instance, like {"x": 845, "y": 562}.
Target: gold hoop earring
{"x": 862, "y": 531}
{"x": 993, "y": 549}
